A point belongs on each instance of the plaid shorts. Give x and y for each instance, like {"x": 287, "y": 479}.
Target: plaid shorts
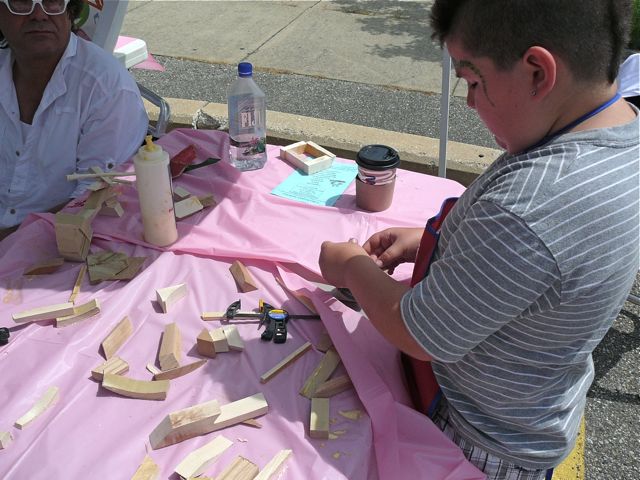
{"x": 493, "y": 467}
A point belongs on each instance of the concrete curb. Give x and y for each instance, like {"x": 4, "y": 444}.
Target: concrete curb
{"x": 420, "y": 154}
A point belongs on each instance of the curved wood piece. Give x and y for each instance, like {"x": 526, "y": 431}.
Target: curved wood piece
{"x": 45, "y": 402}
{"x": 129, "y": 387}
{"x": 179, "y": 372}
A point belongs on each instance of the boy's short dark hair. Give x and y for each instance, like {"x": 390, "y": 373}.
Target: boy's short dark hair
{"x": 588, "y": 35}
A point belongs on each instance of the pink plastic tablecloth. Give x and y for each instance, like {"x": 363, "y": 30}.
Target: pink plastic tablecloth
{"x": 92, "y": 433}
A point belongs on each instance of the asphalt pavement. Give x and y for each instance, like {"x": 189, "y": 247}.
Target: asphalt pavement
{"x": 367, "y": 63}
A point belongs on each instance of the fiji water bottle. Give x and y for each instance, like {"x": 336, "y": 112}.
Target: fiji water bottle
{"x": 247, "y": 121}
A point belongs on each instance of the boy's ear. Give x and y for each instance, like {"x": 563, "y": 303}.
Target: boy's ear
{"x": 541, "y": 68}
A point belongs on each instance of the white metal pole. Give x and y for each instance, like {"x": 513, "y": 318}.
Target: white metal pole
{"x": 444, "y": 113}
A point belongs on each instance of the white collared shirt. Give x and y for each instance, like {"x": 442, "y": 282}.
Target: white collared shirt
{"x": 91, "y": 114}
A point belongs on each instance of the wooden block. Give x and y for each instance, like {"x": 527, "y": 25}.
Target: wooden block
{"x": 44, "y": 313}
{"x": 333, "y": 387}
{"x": 167, "y": 296}
{"x": 322, "y": 372}
{"x": 148, "y": 470}
{"x": 48, "y": 399}
{"x": 203, "y": 418}
{"x": 179, "y": 372}
{"x": 187, "y": 207}
{"x": 129, "y": 387}
{"x": 170, "y": 348}
{"x": 243, "y": 278}
{"x": 199, "y": 460}
{"x": 233, "y": 338}
{"x": 271, "y": 470}
{"x": 115, "y": 366}
{"x": 184, "y": 424}
{"x": 307, "y": 156}
{"x": 204, "y": 344}
{"x": 45, "y": 267}
{"x": 319, "y": 419}
{"x": 181, "y": 192}
{"x": 5, "y": 440}
{"x": 76, "y": 286}
{"x": 81, "y": 312}
{"x": 116, "y": 338}
{"x": 324, "y": 342}
{"x": 220, "y": 343}
{"x": 239, "y": 469}
{"x": 73, "y": 235}
{"x": 284, "y": 363}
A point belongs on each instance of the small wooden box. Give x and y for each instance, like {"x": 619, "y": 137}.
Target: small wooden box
{"x": 307, "y": 156}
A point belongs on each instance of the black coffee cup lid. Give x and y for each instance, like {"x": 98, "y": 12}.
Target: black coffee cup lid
{"x": 377, "y": 157}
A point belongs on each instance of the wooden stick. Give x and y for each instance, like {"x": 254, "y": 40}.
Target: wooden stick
{"x": 271, "y": 469}
{"x": 80, "y": 176}
{"x": 197, "y": 461}
{"x": 333, "y": 387}
{"x": 284, "y": 363}
{"x": 319, "y": 419}
{"x": 179, "y": 372}
{"x": 116, "y": 338}
{"x": 45, "y": 402}
{"x": 44, "y": 313}
{"x": 76, "y": 286}
{"x": 129, "y": 387}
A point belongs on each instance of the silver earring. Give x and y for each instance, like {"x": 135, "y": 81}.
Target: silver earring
{"x": 534, "y": 93}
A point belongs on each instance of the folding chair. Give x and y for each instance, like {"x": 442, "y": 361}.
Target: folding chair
{"x": 101, "y": 21}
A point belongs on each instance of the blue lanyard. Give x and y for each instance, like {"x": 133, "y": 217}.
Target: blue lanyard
{"x": 578, "y": 121}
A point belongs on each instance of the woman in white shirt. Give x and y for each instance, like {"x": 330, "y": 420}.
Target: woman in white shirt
{"x": 66, "y": 105}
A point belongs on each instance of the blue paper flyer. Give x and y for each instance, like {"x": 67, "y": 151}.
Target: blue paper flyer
{"x": 321, "y": 188}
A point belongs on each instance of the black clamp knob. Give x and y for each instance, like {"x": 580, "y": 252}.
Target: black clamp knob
{"x": 4, "y": 335}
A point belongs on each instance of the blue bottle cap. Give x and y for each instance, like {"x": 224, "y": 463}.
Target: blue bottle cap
{"x": 245, "y": 69}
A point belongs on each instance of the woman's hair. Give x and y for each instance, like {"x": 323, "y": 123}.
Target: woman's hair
{"x": 74, "y": 9}
{"x": 588, "y": 35}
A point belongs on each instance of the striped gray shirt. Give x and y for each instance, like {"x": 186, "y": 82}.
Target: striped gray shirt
{"x": 533, "y": 265}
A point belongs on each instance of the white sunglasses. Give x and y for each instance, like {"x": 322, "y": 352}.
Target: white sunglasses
{"x": 26, "y": 7}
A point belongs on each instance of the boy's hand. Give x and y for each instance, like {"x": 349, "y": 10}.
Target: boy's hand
{"x": 393, "y": 246}
{"x": 334, "y": 258}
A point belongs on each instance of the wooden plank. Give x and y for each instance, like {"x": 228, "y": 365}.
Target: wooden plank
{"x": 199, "y": 460}
{"x": 168, "y": 296}
{"x": 148, "y": 470}
{"x": 115, "y": 366}
{"x": 81, "y": 312}
{"x": 129, "y": 387}
{"x": 333, "y": 387}
{"x": 239, "y": 469}
{"x": 117, "y": 337}
{"x": 48, "y": 399}
{"x": 233, "y": 338}
{"x": 43, "y": 313}
{"x": 180, "y": 371}
{"x": 272, "y": 469}
{"x": 319, "y": 418}
{"x": 204, "y": 344}
{"x": 187, "y": 207}
{"x": 208, "y": 316}
{"x": 76, "y": 286}
{"x": 201, "y": 419}
{"x": 284, "y": 363}
{"x": 45, "y": 267}
{"x": 243, "y": 278}
{"x": 5, "y": 440}
{"x": 322, "y": 372}
{"x": 170, "y": 348}
{"x": 181, "y": 192}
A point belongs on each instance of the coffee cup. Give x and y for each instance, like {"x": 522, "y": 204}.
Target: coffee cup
{"x": 376, "y": 177}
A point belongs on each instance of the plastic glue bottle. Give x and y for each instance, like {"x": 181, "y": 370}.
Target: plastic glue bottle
{"x": 154, "y": 191}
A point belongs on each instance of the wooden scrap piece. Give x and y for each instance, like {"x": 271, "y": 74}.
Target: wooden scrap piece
{"x": 44, "y": 313}
{"x": 273, "y": 468}
{"x": 48, "y": 399}
{"x": 167, "y": 296}
{"x": 181, "y": 192}
{"x": 202, "y": 419}
{"x": 81, "y": 312}
{"x": 179, "y": 371}
{"x": 204, "y": 344}
{"x": 148, "y": 470}
{"x": 76, "y": 286}
{"x": 207, "y": 200}
{"x": 243, "y": 278}
{"x": 186, "y": 207}
{"x": 73, "y": 235}
{"x": 252, "y": 422}
{"x": 319, "y": 419}
{"x": 5, "y": 440}
{"x": 239, "y": 469}
{"x": 322, "y": 372}
{"x": 129, "y": 387}
{"x": 111, "y": 208}
{"x": 45, "y": 267}
{"x": 170, "y": 348}
{"x": 197, "y": 461}
{"x": 112, "y": 266}
{"x": 153, "y": 369}
{"x": 117, "y": 337}
{"x": 220, "y": 343}
{"x": 333, "y": 387}
{"x": 351, "y": 414}
{"x": 114, "y": 366}
{"x": 184, "y": 424}
{"x": 233, "y": 338}
{"x": 324, "y": 342}
{"x": 284, "y": 363}
{"x": 133, "y": 267}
